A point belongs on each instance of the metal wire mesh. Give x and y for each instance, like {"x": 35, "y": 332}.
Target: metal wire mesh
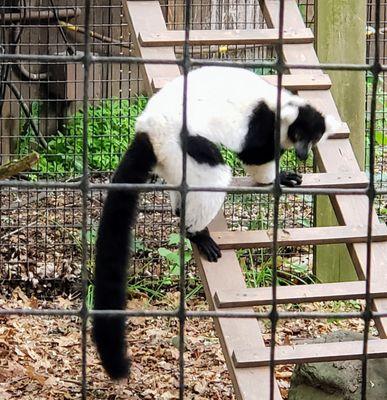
{"x": 84, "y": 187}
{"x": 113, "y": 93}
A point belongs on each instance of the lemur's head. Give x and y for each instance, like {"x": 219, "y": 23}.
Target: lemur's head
{"x": 305, "y": 127}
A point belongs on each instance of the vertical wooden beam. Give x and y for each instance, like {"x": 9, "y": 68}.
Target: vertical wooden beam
{"x": 9, "y": 126}
{"x": 341, "y": 39}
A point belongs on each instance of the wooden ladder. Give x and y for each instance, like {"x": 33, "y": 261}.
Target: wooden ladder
{"x": 247, "y": 357}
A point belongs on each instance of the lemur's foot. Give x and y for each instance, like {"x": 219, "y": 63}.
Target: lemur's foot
{"x": 206, "y": 244}
{"x": 290, "y": 178}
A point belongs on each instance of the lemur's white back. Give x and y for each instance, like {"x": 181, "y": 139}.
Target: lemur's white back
{"x": 220, "y": 103}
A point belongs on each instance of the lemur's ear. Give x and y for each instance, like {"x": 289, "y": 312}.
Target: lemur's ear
{"x": 332, "y": 125}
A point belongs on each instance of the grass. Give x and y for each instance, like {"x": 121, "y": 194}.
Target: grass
{"x": 288, "y": 272}
{"x": 170, "y": 278}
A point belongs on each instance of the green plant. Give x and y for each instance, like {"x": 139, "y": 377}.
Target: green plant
{"x": 173, "y": 256}
{"x": 90, "y": 296}
{"x": 266, "y": 70}
{"x": 28, "y": 140}
{"x": 380, "y": 117}
{"x": 338, "y": 306}
{"x": 288, "y": 272}
{"x": 303, "y": 10}
{"x": 110, "y": 130}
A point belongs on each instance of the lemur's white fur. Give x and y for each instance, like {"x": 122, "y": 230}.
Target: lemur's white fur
{"x": 264, "y": 173}
{"x": 220, "y": 102}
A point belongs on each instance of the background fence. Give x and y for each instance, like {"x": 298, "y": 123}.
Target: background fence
{"x": 41, "y": 109}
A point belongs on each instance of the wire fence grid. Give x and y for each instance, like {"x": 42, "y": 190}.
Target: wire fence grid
{"x": 80, "y": 117}
{"x": 113, "y": 97}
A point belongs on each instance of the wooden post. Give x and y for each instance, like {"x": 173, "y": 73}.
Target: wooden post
{"x": 8, "y": 126}
{"x": 341, "y": 38}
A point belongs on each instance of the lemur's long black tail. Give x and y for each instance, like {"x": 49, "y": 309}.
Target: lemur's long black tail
{"x": 112, "y": 253}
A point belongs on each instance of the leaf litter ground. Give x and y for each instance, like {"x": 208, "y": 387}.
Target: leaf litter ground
{"x": 40, "y": 357}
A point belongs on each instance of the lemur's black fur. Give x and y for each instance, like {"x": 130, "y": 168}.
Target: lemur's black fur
{"x": 112, "y": 249}
{"x": 204, "y": 151}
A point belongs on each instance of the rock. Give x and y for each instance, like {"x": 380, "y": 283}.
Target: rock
{"x": 338, "y": 380}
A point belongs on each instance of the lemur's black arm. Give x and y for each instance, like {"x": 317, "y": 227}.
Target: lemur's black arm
{"x": 290, "y": 179}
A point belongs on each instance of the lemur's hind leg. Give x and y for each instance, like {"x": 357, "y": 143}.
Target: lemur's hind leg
{"x": 206, "y": 245}
{"x": 200, "y": 210}
{"x": 202, "y": 207}
{"x": 205, "y": 168}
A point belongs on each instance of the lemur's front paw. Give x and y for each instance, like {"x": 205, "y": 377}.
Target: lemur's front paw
{"x": 290, "y": 178}
{"x": 206, "y": 244}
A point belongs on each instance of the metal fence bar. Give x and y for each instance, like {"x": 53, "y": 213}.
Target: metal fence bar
{"x": 192, "y": 314}
{"x": 183, "y": 194}
{"x": 267, "y": 189}
{"x": 368, "y": 315}
{"x": 85, "y": 192}
{"x": 277, "y": 195}
{"x": 93, "y": 59}
{"x": 84, "y": 186}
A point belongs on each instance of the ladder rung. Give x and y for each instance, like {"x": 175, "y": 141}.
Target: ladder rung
{"x": 229, "y": 240}
{"x": 290, "y": 82}
{"x": 296, "y": 294}
{"x": 303, "y": 353}
{"x": 301, "y": 82}
{"x": 225, "y": 37}
{"x": 342, "y": 132}
{"x": 320, "y": 180}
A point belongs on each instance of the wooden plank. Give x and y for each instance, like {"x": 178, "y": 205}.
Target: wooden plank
{"x": 320, "y": 180}
{"x": 295, "y": 83}
{"x": 342, "y": 133}
{"x": 334, "y": 156}
{"x": 251, "y": 383}
{"x": 224, "y": 37}
{"x": 347, "y": 20}
{"x": 147, "y": 16}
{"x": 290, "y": 82}
{"x": 309, "y": 353}
{"x": 296, "y": 294}
{"x": 299, "y": 236}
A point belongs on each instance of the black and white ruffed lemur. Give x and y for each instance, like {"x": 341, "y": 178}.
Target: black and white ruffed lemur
{"x": 232, "y": 107}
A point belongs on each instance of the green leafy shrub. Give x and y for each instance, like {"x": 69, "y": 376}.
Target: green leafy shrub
{"x": 380, "y": 117}
{"x": 110, "y": 130}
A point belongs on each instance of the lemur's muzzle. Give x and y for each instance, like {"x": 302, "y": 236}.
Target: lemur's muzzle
{"x": 302, "y": 150}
